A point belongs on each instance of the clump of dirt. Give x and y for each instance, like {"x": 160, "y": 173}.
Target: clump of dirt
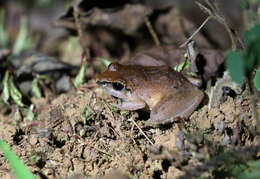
{"x": 81, "y": 134}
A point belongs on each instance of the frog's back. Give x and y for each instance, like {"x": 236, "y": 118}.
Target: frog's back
{"x": 153, "y": 83}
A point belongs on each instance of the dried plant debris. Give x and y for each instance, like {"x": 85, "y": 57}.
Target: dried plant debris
{"x": 178, "y": 30}
{"x": 208, "y": 62}
{"x": 113, "y": 17}
{"x": 34, "y": 62}
{"x": 173, "y": 21}
{"x": 30, "y": 65}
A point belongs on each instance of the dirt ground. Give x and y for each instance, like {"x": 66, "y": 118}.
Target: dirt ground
{"x": 79, "y": 134}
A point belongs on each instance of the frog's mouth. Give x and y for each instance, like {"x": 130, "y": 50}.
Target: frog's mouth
{"x": 114, "y": 88}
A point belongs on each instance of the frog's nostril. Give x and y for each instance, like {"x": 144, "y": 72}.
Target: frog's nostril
{"x": 117, "y": 86}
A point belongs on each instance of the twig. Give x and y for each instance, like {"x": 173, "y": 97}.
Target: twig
{"x": 243, "y": 46}
{"x": 142, "y": 131}
{"x": 196, "y": 31}
{"x": 64, "y": 24}
{"x": 141, "y": 153}
{"x": 152, "y": 32}
{"x": 213, "y": 11}
{"x": 79, "y": 28}
{"x": 104, "y": 152}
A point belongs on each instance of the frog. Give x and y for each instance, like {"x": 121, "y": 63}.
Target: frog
{"x": 168, "y": 94}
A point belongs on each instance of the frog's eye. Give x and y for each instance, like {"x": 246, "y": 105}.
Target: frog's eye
{"x": 113, "y": 66}
{"x": 117, "y": 86}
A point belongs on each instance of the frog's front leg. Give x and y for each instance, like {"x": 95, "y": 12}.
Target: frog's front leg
{"x": 130, "y": 105}
{"x": 179, "y": 104}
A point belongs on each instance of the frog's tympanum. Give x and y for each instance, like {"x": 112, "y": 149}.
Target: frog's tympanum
{"x": 167, "y": 93}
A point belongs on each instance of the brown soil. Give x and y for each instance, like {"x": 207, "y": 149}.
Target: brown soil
{"x": 80, "y": 134}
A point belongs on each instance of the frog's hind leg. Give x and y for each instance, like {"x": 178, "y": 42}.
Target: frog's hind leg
{"x": 179, "y": 104}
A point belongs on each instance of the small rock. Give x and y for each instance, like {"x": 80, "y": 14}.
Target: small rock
{"x": 214, "y": 112}
{"x": 63, "y": 84}
{"x": 204, "y": 123}
{"x": 33, "y": 140}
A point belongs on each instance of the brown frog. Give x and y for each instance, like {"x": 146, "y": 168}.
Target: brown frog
{"x": 167, "y": 93}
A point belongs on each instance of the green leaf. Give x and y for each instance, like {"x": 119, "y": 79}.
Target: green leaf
{"x": 30, "y": 116}
{"x": 254, "y": 1}
{"x": 254, "y": 164}
{"x": 3, "y": 33}
{"x": 87, "y": 114}
{"x": 105, "y": 61}
{"x": 15, "y": 93}
{"x": 253, "y": 55}
{"x": 236, "y": 67}
{"x": 79, "y": 80}
{"x": 191, "y": 73}
{"x": 238, "y": 169}
{"x": 47, "y": 79}
{"x": 252, "y": 34}
{"x": 252, "y": 39}
{"x": 35, "y": 159}
{"x": 18, "y": 167}
{"x": 249, "y": 170}
{"x": 257, "y": 80}
{"x": 22, "y": 41}
{"x": 245, "y": 4}
{"x": 43, "y": 3}
{"x": 72, "y": 44}
{"x": 35, "y": 88}
{"x": 249, "y": 174}
{"x": 5, "y": 93}
{"x": 182, "y": 66}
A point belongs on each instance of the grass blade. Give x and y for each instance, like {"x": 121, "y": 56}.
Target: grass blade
{"x": 18, "y": 167}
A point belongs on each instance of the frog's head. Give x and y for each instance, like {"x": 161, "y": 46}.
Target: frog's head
{"x": 112, "y": 81}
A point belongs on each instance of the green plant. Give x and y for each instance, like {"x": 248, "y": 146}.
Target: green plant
{"x": 23, "y": 41}
{"x": 10, "y": 90}
{"x": 241, "y": 64}
{"x": 3, "y": 33}
{"x": 80, "y": 78}
{"x": 249, "y": 12}
{"x": 248, "y": 170}
{"x": 18, "y": 167}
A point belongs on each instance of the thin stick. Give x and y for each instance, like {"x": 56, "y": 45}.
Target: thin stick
{"x": 104, "y": 152}
{"x": 142, "y": 132}
{"x": 80, "y": 31}
{"x": 213, "y": 12}
{"x": 196, "y": 31}
{"x": 152, "y": 32}
{"x": 141, "y": 154}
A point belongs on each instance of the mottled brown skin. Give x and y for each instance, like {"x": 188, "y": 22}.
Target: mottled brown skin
{"x": 167, "y": 93}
